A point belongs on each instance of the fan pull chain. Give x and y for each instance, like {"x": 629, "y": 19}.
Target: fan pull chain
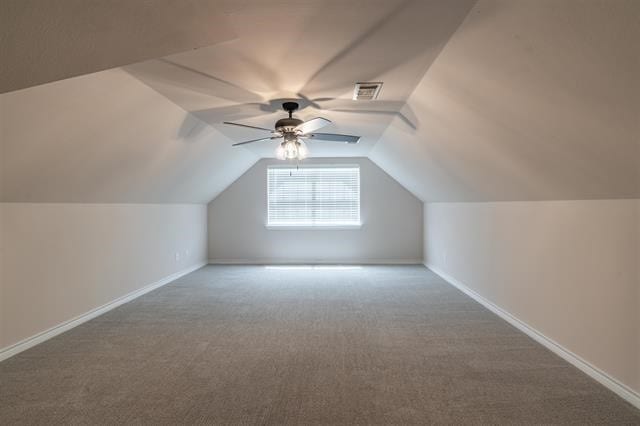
{"x": 297, "y": 167}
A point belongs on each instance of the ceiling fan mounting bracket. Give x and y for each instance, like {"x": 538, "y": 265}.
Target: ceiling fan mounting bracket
{"x": 290, "y": 107}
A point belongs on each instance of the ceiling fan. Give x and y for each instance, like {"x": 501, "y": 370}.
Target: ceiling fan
{"x": 293, "y": 133}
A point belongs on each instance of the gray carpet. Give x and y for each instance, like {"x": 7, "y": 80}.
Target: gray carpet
{"x": 251, "y": 345}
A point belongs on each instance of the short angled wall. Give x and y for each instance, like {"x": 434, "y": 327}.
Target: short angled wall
{"x": 596, "y": 373}
{"x": 63, "y": 264}
{"x": 565, "y": 272}
{"x": 29, "y": 342}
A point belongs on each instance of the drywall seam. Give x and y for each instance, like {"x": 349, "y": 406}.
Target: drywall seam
{"x": 29, "y": 342}
{"x": 592, "y": 371}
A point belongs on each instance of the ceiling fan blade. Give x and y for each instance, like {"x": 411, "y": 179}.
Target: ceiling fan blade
{"x": 333, "y": 137}
{"x": 313, "y": 125}
{"x": 247, "y": 126}
{"x": 255, "y": 140}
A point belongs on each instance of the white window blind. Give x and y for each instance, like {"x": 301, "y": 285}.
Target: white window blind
{"x": 313, "y": 196}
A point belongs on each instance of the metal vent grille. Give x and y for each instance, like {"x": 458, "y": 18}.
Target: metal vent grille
{"x": 366, "y": 91}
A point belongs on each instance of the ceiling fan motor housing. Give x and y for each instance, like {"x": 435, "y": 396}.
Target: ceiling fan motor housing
{"x": 286, "y": 125}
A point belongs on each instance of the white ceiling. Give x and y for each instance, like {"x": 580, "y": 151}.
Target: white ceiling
{"x": 107, "y": 138}
{"x": 529, "y": 100}
{"x": 44, "y": 41}
{"x": 317, "y": 49}
{"x": 522, "y": 100}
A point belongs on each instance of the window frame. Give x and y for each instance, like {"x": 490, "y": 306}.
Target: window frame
{"x": 315, "y": 227}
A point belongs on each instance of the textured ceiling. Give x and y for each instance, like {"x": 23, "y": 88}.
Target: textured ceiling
{"x": 521, "y": 100}
{"x": 43, "y": 40}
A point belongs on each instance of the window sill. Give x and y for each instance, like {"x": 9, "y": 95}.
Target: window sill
{"x": 313, "y": 227}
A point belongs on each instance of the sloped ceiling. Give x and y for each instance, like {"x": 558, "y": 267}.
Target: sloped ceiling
{"x": 151, "y": 131}
{"x": 309, "y": 50}
{"x": 529, "y": 100}
{"x": 44, "y": 41}
{"x": 521, "y": 100}
{"x": 106, "y": 137}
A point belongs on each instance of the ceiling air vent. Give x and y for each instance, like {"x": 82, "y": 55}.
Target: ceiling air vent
{"x": 366, "y": 91}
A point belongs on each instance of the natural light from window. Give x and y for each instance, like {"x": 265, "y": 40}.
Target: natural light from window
{"x": 313, "y": 196}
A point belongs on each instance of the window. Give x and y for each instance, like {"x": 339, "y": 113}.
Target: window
{"x": 313, "y": 196}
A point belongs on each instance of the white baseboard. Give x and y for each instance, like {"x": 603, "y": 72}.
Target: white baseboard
{"x": 594, "y": 372}
{"x": 315, "y": 262}
{"x": 74, "y": 322}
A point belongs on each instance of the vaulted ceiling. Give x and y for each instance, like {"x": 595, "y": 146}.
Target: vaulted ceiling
{"x": 494, "y": 100}
{"x": 529, "y": 100}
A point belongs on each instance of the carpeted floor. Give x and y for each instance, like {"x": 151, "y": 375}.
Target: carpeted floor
{"x": 254, "y": 345}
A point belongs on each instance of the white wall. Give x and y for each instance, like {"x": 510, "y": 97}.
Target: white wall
{"x": 391, "y": 229}
{"x": 569, "y": 269}
{"x": 60, "y": 261}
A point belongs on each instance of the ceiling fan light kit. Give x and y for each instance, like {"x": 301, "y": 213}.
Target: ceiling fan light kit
{"x": 292, "y": 151}
{"x": 293, "y": 131}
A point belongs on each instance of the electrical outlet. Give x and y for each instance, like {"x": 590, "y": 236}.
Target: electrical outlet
{"x": 177, "y": 256}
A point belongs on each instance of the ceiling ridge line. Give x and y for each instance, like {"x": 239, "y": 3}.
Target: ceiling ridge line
{"x": 422, "y": 76}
